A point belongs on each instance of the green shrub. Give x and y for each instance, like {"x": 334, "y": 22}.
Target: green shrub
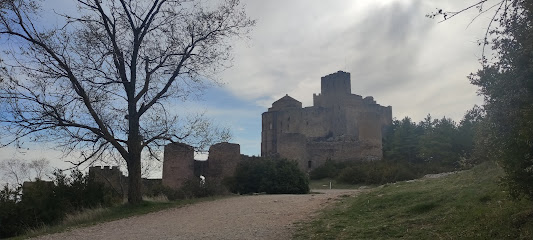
{"x": 193, "y": 189}
{"x": 160, "y": 189}
{"x": 376, "y": 172}
{"x": 190, "y": 189}
{"x": 327, "y": 170}
{"x": 10, "y": 224}
{"x": 46, "y": 203}
{"x": 352, "y": 175}
{"x": 270, "y": 176}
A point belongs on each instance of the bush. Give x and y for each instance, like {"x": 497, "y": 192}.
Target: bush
{"x": 190, "y": 189}
{"x": 10, "y": 224}
{"x": 278, "y": 176}
{"x": 327, "y": 170}
{"x": 159, "y": 189}
{"x": 352, "y": 175}
{"x": 376, "y": 172}
{"x": 193, "y": 189}
{"x": 41, "y": 202}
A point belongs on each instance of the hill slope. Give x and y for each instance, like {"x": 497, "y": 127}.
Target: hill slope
{"x": 470, "y": 204}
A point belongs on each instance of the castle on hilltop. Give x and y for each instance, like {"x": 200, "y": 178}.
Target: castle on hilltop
{"x": 340, "y": 126}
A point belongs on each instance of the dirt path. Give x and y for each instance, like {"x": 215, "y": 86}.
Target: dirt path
{"x": 245, "y": 217}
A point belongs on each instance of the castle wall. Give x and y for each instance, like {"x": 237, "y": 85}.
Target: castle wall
{"x": 293, "y": 147}
{"x": 312, "y": 122}
{"x": 111, "y": 177}
{"x": 319, "y": 152}
{"x": 269, "y": 142}
{"x": 370, "y": 135}
{"x": 178, "y": 165}
{"x": 223, "y": 159}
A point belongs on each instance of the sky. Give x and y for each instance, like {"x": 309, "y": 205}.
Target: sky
{"x": 393, "y": 52}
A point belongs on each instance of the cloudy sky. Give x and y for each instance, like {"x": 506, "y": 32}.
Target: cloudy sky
{"x": 393, "y": 52}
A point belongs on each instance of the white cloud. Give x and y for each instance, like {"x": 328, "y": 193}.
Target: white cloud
{"x": 393, "y": 51}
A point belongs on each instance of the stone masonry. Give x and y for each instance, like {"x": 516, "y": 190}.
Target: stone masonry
{"x": 179, "y": 163}
{"x": 223, "y": 159}
{"x": 179, "y": 166}
{"x": 112, "y": 177}
{"x": 340, "y": 126}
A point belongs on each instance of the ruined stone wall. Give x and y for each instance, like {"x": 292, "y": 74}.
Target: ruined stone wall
{"x": 223, "y": 159}
{"x": 111, "y": 177}
{"x": 178, "y": 165}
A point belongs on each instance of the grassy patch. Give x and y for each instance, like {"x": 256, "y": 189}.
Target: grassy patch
{"x": 90, "y": 217}
{"x": 467, "y": 205}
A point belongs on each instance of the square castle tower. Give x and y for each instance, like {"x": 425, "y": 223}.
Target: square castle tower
{"x": 340, "y": 126}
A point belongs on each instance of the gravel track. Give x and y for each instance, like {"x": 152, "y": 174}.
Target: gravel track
{"x": 242, "y": 217}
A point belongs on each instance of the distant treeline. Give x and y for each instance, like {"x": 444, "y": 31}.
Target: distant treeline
{"x": 443, "y": 141}
{"x": 411, "y": 150}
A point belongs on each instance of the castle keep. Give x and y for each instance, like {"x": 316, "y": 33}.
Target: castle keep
{"x": 340, "y": 126}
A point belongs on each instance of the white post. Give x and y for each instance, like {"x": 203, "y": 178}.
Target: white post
{"x": 329, "y": 184}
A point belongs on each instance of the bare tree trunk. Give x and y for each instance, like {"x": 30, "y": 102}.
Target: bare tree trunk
{"x": 134, "y": 159}
{"x": 134, "y": 179}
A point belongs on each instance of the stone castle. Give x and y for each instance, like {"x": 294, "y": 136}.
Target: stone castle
{"x": 340, "y": 126}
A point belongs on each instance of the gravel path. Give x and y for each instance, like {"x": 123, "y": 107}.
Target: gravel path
{"x": 243, "y": 217}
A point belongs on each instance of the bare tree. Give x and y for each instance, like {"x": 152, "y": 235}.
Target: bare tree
{"x": 40, "y": 168}
{"x": 107, "y": 81}
{"x": 17, "y": 170}
{"x": 497, "y": 10}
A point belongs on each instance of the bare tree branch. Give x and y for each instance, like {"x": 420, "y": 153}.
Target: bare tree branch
{"x": 103, "y": 83}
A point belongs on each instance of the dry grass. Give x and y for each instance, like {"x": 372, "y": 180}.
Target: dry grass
{"x": 73, "y": 219}
{"x": 84, "y": 216}
{"x": 159, "y": 198}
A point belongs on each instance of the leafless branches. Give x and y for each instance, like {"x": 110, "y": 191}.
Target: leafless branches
{"x": 499, "y": 15}
{"x": 106, "y": 80}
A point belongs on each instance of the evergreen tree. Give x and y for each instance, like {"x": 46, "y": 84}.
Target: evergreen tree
{"x": 507, "y": 86}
